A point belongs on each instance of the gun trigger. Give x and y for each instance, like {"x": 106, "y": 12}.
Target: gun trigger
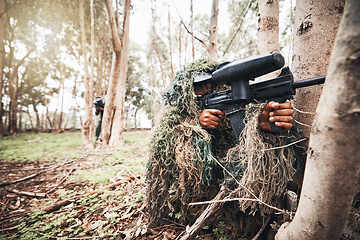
{"x": 234, "y": 111}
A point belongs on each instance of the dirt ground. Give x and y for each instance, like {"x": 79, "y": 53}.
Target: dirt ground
{"x": 29, "y": 186}
{"x": 39, "y": 184}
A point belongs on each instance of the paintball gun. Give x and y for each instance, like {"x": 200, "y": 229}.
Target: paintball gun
{"x": 238, "y": 74}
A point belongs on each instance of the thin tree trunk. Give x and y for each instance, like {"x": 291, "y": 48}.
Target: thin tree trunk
{"x": 180, "y": 44}
{"x": 99, "y": 79}
{"x": 192, "y": 29}
{"x": 87, "y": 116}
{"x": 12, "y": 93}
{"x": 30, "y": 120}
{"x": 92, "y": 56}
{"x": 62, "y": 102}
{"x": 135, "y": 114}
{"x": 268, "y": 31}
{"x": 2, "y": 58}
{"x": 214, "y": 29}
{"x": 55, "y": 126}
{"x": 172, "y": 73}
{"x": 37, "y": 116}
{"x": 109, "y": 105}
{"x": 48, "y": 119}
{"x": 333, "y": 167}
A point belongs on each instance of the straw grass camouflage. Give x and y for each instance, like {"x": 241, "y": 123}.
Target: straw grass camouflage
{"x": 180, "y": 153}
{"x": 183, "y": 165}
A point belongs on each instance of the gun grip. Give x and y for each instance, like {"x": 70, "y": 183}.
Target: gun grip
{"x": 276, "y": 128}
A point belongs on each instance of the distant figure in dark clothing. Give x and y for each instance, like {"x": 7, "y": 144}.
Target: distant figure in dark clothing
{"x": 99, "y": 106}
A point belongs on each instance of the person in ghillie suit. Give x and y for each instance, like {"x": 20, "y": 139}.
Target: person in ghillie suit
{"x": 189, "y": 145}
{"x": 99, "y": 109}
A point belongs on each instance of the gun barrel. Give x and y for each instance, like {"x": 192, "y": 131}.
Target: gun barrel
{"x": 308, "y": 82}
{"x": 248, "y": 68}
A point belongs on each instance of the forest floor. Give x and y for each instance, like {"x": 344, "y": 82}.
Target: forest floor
{"x": 53, "y": 188}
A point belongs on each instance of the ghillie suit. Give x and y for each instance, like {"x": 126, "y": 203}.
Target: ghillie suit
{"x": 179, "y": 169}
{"x": 183, "y": 165}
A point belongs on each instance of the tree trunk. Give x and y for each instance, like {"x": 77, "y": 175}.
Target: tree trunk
{"x": 135, "y": 114}
{"x": 49, "y": 120}
{"x": 316, "y": 24}
{"x": 2, "y": 57}
{"x": 118, "y": 124}
{"x": 333, "y": 167}
{"x": 55, "y": 121}
{"x": 92, "y": 56}
{"x": 99, "y": 79}
{"x": 62, "y": 86}
{"x": 87, "y": 116}
{"x": 30, "y": 120}
{"x": 268, "y": 31}
{"x": 172, "y": 73}
{"x": 112, "y": 126}
{"x": 109, "y": 110}
{"x": 214, "y": 29}
{"x": 180, "y": 44}
{"x": 12, "y": 93}
{"x": 192, "y": 29}
{"x": 37, "y": 116}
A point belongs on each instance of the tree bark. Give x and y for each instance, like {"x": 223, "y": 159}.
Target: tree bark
{"x": 268, "y": 31}
{"x": 2, "y": 57}
{"x": 192, "y": 29}
{"x": 92, "y": 56}
{"x": 333, "y": 167}
{"x": 214, "y": 29}
{"x": 316, "y": 24}
{"x": 87, "y": 116}
{"x": 112, "y": 126}
{"x": 118, "y": 124}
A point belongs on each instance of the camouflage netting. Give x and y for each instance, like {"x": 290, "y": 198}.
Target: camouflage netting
{"x": 182, "y": 169}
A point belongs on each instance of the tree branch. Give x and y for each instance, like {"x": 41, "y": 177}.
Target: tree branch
{"x": 187, "y": 29}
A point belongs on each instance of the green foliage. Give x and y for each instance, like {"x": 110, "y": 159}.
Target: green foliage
{"x": 42, "y": 146}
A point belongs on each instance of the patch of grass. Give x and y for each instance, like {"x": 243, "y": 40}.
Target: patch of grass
{"x": 131, "y": 157}
{"x": 41, "y": 146}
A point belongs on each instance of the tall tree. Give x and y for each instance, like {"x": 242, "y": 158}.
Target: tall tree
{"x": 86, "y": 124}
{"x": 268, "y": 28}
{"x": 316, "y": 24}
{"x": 12, "y": 93}
{"x": 333, "y": 167}
{"x": 213, "y": 38}
{"x": 112, "y": 126}
{"x": 2, "y": 57}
